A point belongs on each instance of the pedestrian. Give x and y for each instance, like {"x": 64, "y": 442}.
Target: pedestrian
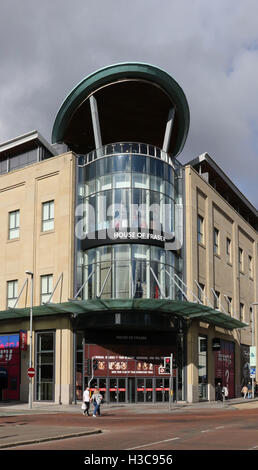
{"x": 218, "y": 392}
{"x": 249, "y": 388}
{"x": 86, "y": 401}
{"x": 225, "y": 391}
{"x": 244, "y": 390}
{"x": 96, "y": 400}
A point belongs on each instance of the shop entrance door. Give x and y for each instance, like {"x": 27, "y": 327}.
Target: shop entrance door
{"x": 117, "y": 390}
{"x": 144, "y": 390}
{"x": 161, "y": 390}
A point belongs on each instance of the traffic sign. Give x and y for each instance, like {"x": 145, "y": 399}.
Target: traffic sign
{"x": 31, "y": 372}
{"x": 252, "y": 372}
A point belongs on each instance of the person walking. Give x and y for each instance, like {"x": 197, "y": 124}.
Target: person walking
{"x": 244, "y": 390}
{"x": 96, "y": 400}
{"x": 249, "y": 388}
{"x": 225, "y": 392}
{"x": 86, "y": 400}
{"x": 218, "y": 392}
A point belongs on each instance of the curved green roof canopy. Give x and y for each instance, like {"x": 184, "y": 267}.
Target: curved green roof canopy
{"x": 156, "y": 86}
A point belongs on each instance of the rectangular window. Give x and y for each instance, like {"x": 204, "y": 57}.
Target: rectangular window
{"x": 45, "y": 365}
{"x": 242, "y": 312}
{"x": 12, "y": 293}
{"x": 14, "y": 225}
{"x": 203, "y": 367}
{"x": 200, "y": 229}
{"x": 47, "y": 216}
{"x": 241, "y": 259}
{"x": 250, "y": 266}
{"x": 228, "y": 250}
{"x": 201, "y": 291}
{"x": 216, "y": 241}
{"x": 46, "y": 287}
{"x": 217, "y": 300}
{"x": 229, "y": 304}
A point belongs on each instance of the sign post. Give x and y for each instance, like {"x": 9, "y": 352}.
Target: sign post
{"x": 252, "y": 366}
{"x": 171, "y": 382}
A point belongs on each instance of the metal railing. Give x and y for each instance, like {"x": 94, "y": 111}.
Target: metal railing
{"x": 125, "y": 148}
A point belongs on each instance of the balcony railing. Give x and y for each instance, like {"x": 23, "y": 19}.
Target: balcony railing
{"x": 125, "y": 148}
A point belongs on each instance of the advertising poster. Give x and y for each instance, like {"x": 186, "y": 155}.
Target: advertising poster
{"x": 225, "y": 366}
{"x": 10, "y": 360}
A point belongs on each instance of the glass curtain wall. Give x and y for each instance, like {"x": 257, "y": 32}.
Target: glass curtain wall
{"x": 134, "y": 182}
{"x": 124, "y": 192}
{"x": 128, "y": 271}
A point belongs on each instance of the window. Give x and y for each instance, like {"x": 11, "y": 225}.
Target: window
{"x": 12, "y": 293}
{"x": 250, "y": 266}
{"x": 229, "y": 304}
{"x": 216, "y": 300}
{"x": 200, "y": 227}
{"x": 45, "y": 365}
{"x": 242, "y": 308}
{"x": 203, "y": 367}
{"x": 201, "y": 292}
{"x": 46, "y": 288}
{"x": 14, "y": 224}
{"x": 47, "y": 216}
{"x": 228, "y": 250}
{"x": 241, "y": 259}
{"x": 216, "y": 241}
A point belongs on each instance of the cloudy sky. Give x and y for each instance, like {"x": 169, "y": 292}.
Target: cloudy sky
{"x": 209, "y": 48}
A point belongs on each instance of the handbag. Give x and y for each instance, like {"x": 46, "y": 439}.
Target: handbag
{"x": 83, "y": 406}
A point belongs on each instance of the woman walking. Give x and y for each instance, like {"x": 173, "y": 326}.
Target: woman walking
{"x": 96, "y": 400}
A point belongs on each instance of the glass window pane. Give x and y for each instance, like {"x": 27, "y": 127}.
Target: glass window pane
{"x": 14, "y": 233}
{"x": 45, "y": 211}
{"x": 47, "y": 225}
{"x": 121, "y": 180}
{"x": 121, "y": 163}
{"x": 140, "y": 180}
{"x": 51, "y": 211}
{"x": 44, "y": 284}
{"x": 140, "y": 164}
{"x": 12, "y": 219}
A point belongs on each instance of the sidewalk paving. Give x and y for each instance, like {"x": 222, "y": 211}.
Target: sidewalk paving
{"x": 21, "y": 432}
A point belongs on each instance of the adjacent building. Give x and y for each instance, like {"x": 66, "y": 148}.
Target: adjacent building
{"x": 132, "y": 256}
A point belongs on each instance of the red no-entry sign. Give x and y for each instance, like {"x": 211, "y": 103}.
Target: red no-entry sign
{"x": 31, "y": 372}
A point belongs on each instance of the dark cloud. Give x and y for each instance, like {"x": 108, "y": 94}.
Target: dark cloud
{"x": 210, "y": 48}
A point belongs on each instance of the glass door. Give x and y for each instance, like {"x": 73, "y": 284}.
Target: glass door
{"x": 144, "y": 390}
{"x": 117, "y": 390}
{"x": 161, "y": 390}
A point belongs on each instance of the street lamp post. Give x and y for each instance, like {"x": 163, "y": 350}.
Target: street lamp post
{"x": 30, "y": 361}
{"x": 253, "y": 341}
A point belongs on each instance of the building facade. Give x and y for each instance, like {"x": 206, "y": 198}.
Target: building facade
{"x": 133, "y": 256}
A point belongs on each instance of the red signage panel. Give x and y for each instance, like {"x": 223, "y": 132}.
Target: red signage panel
{"x": 120, "y": 360}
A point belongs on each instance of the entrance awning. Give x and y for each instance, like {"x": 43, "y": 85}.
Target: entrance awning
{"x": 181, "y": 309}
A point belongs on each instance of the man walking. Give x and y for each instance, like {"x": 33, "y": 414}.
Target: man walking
{"x": 86, "y": 399}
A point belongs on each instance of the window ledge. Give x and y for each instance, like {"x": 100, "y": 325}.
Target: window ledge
{"x": 47, "y": 232}
{"x": 13, "y": 240}
{"x": 201, "y": 244}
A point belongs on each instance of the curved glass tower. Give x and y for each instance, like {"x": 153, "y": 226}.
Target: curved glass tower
{"x": 126, "y": 124}
{"x": 128, "y": 195}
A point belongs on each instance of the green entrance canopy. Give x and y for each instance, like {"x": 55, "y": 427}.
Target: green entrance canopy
{"x": 181, "y": 309}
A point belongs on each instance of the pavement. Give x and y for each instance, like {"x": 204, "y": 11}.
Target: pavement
{"x": 20, "y": 425}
